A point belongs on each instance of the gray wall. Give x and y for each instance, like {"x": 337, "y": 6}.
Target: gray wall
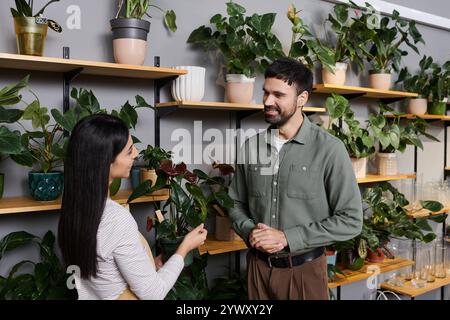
{"x": 93, "y": 42}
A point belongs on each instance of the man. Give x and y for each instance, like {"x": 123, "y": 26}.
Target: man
{"x": 294, "y": 191}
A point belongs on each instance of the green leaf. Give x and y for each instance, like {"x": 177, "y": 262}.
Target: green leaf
{"x": 170, "y": 20}
{"x": 234, "y": 9}
{"x": 141, "y": 103}
{"x": 66, "y": 121}
{"x": 114, "y": 186}
{"x": 9, "y": 95}
{"x": 24, "y": 158}
{"x": 9, "y": 142}
{"x": 433, "y": 206}
{"x": 39, "y": 116}
{"x": 10, "y": 115}
{"x": 224, "y": 199}
{"x": 200, "y": 35}
{"x": 140, "y": 190}
{"x": 23, "y": 7}
{"x": 14, "y": 240}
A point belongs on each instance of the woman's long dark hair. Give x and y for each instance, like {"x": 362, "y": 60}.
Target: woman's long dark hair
{"x": 93, "y": 145}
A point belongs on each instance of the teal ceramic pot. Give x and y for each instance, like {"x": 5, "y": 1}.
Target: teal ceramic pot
{"x": 169, "y": 247}
{"x": 45, "y": 186}
{"x": 135, "y": 176}
{"x": 437, "y": 108}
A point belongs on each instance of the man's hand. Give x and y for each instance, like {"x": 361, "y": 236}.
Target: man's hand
{"x": 267, "y": 239}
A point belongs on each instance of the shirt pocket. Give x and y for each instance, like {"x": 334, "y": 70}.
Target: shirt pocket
{"x": 303, "y": 181}
{"x": 257, "y": 180}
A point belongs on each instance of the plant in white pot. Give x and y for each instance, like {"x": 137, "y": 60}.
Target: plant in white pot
{"x": 381, "y": 43}
{"x": 31, "y": 28}
{"x": 190, "y": 86}
{"x": 440, "y": 88}
{"x": 359, "y": 143}
{"x": 334, "y": 56}
{"x": 393, "y": 137}
{"x": 246, "y": 44}
{"x": 418, "y": 83}
{"x": 130, "y": 30}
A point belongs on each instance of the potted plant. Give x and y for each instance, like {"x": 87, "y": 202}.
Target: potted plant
{"x": 219, "y": 181}
{"x": 48, "y": 279}
{"x": 381, "y": 44}
{"x": 393, "y": 137}
{"x": 440, "y": 88}
{"x": 187, "y": 205}
{"x": 334, "y": 57}
{"x": 419, "y": 83}
{"x": 386, "y": 217}
{"x": 300, "y": 34}
{"x": 87, "y": 104}
{"x": 130, "y": 30}
{"x": 152, "y": 157}
{"x": 358, "y": 142}
{"x": 31, "y": 29}
{"x": 10, "y": 140}
{"x": 245, "y": 43}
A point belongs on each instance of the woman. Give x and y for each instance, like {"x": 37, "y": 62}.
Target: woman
{"x": 99, "y": 235}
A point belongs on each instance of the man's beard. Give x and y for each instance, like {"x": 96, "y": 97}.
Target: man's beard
{"x": 279, "y": 119}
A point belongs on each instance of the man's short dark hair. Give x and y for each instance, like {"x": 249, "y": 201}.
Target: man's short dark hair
{"x": 292, "y": 72}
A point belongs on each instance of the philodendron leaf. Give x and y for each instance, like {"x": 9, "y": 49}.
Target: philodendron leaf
{"x": 140, "y": 190}
{"x": 36, "y": 114}
{"x": 14, "y": 240}
{"x": 9, "y": 142}
{"x": 9, "y": 95}
{"x": 433, "y": 206}
{"x": 10, "y": 115}
{"x": 66, "y": 121}
{"x": 170, "y": 20}
{"x": 115, "y": 186}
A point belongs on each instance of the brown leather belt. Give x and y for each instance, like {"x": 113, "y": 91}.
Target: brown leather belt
{"x": 288, "y": 260}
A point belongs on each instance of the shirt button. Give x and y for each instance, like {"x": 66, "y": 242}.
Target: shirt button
{"x": 273, "y": 216}
{"x": 274, "y": 199}
{"x": 304, "y": 168}
{"x": 276, "y": 167}
{"x": 274, "y": 183}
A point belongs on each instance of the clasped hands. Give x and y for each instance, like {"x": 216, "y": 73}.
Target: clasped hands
{"x": 267, "y": 239}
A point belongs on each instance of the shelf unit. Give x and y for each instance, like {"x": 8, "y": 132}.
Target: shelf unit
{"x": 409, "y": 290}
{"x": 213, "y": 246}
{"x": 364, "y": 273}
{"x": 370, "y": 178}
{"x": 27, "y": 204}
{"x": 421, "y": 116}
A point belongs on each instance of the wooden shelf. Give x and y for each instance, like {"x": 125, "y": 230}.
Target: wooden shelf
{"x": 362, "y": 274}
{"x": 378, "y": 178}
{"x": 224, "y": 106}
{"x": 421, "y": 116}
{"x": 27, "y": 204}
{"x": 409, "y": 290}
{"x": 447, "y": 168}
{"x": 213, "y": 246}
{"x": 426, "y": 213}
{"x": 365, "y": 92}
{"x": 24, "y": 62}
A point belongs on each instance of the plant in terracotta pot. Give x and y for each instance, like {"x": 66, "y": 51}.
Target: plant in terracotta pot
{"x": 392, "y": 137}
{"x": 219, "y": 181}
{"x": 418, "y": 83}
{"x": 386, "y": 217}
{"x": 130, "y": 30}
{"x": 440, "y": 88}
{"x": 152, "y": 157}
{"x": 358, "y": 142}
{"x": 334, "y": 56}
{"x": 245, "y": 44}
{"x": 31, "y": 28}
{"x": 381, "y": 43}
{"x": 10, "y": 140}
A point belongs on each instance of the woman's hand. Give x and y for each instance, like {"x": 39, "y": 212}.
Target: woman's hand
{"x": 192, "y": 240}
{"x": 158, "y": 262}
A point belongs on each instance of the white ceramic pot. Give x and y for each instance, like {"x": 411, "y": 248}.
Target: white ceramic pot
{"x": 339, "y": 76}
{"x": 387, "y": 164}
{"x": 359, "y": 167}
{"x": 417, "y": 106}
{"x": 191, "y": 86}
{"x": 380, "y": 81}
{"x": 239, "y": 88}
